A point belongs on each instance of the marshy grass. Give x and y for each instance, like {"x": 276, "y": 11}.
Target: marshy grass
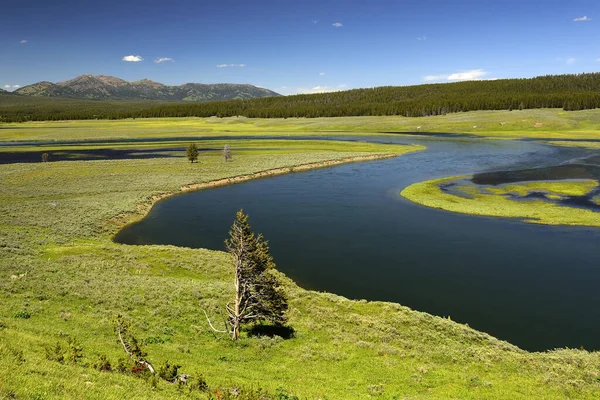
{"x": 500, "y": 201}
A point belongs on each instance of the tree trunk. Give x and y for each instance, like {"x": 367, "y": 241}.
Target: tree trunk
{"x": 235, "y": 333}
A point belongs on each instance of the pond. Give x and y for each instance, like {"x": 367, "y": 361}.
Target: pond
{"x": 346, "y": 230}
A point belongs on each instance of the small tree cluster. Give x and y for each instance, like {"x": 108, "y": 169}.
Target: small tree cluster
{"x": 72, "y": 352}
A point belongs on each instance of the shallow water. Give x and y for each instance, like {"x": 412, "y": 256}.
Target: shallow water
{"x": 346, "y": 230}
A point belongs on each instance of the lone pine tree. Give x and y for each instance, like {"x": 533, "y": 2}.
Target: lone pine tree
{"x": 258, "y": 295}
{"x": 192, "y": 152}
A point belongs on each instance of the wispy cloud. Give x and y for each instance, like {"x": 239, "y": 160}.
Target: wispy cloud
{"x": 422, "y": 38}
{"x": 23, "y": 41}
{"x": 321, "y": 89}
{"x": 11, "y": 87}
{"x": 230, "y": 65}
{"x": 337, "y": 25}
{"x": 472, "y": 75}
{"x": 162, "y": 60}
{"x": 133, "y": 58}
{"x": 433, "y": 78}
{"x": 582, "y": 19}
{"x": 321, "y": 73}
{"x": 315, "y": 21}
{"x": 570, "y": 60}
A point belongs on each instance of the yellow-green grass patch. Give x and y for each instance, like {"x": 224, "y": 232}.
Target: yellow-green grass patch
{"x": 540, "y": 123}
{"x": 587, "y": 145}
{"x": 494, "y": 202}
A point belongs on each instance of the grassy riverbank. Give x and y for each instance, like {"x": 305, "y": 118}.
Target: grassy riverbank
{"x": 546, "y": 123}
{"x": 61, "y": 276}
{"x": 508, "y": 200}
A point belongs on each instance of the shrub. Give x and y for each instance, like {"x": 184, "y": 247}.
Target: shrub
{"x": 23, "y": 314}
{"x": 55, "y": 353}
{"x": 74, "y": 351}
{"x": 15, "y": 355}
{"x": 153, "y": 340}
{"x": 198, "y": 383}
{"x": 375, "y": 390}
{"x": 123, "y": 365}
{"x": 282, "y": 394}
{"x": 102, "y": 364}
{"x": 169, "y": 372}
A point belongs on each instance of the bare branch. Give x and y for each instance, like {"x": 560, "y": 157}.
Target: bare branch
{"x": 211, "y": 325}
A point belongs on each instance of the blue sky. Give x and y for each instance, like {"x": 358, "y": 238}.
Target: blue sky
{"x": 297, "y": 46}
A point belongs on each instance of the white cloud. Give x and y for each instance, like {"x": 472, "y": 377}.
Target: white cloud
{"x": 598, "y": 59}
{"x": 337, "y": 25}
{"x": 23, "y": 41}
{"x": 230, "y": 65}
{"x": 321, "y": 73}
{"x": 162, "y": 60}
{"x": 570, "y": 60}
{"x": 582, "y": 19}
{"x": 422, "y": 38}
{"x": 472, "y": 75}
{"x": 431, "y": 78}
{"x": 11, "y": 87}
{"x": 132, "y": 58}
{"x": 315, "y": 21}
{"x": 321, "y": 89}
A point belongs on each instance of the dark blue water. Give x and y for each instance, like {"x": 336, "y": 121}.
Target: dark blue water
{"x": 346, "y": 230}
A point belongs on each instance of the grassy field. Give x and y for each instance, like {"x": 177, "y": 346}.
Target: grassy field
{"x": 546, "y": 123}
{"x": 243, "y": 146}
{"x": 587, "y": 145}
{"x": 62, "y": 277}
{"x": 467, "y": 198}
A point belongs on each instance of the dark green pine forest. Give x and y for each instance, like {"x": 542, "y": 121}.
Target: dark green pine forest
{"x": 570, "y": 92}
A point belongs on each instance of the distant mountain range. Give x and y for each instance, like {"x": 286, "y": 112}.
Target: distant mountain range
{"x": 101, "y": 87}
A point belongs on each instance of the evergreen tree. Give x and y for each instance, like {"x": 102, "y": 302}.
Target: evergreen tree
{"x": 258, "y": 295}
{"x": 192, "y": 152}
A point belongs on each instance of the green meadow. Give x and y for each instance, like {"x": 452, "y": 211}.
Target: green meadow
{"x": 545, "y": 123}
{"x": 62, "y": 277}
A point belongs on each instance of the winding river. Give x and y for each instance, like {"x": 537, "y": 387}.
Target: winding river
{"x": 346, "y": 230}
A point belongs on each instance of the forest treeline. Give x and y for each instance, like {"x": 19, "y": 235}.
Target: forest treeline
{"x": 570, "y": 92}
